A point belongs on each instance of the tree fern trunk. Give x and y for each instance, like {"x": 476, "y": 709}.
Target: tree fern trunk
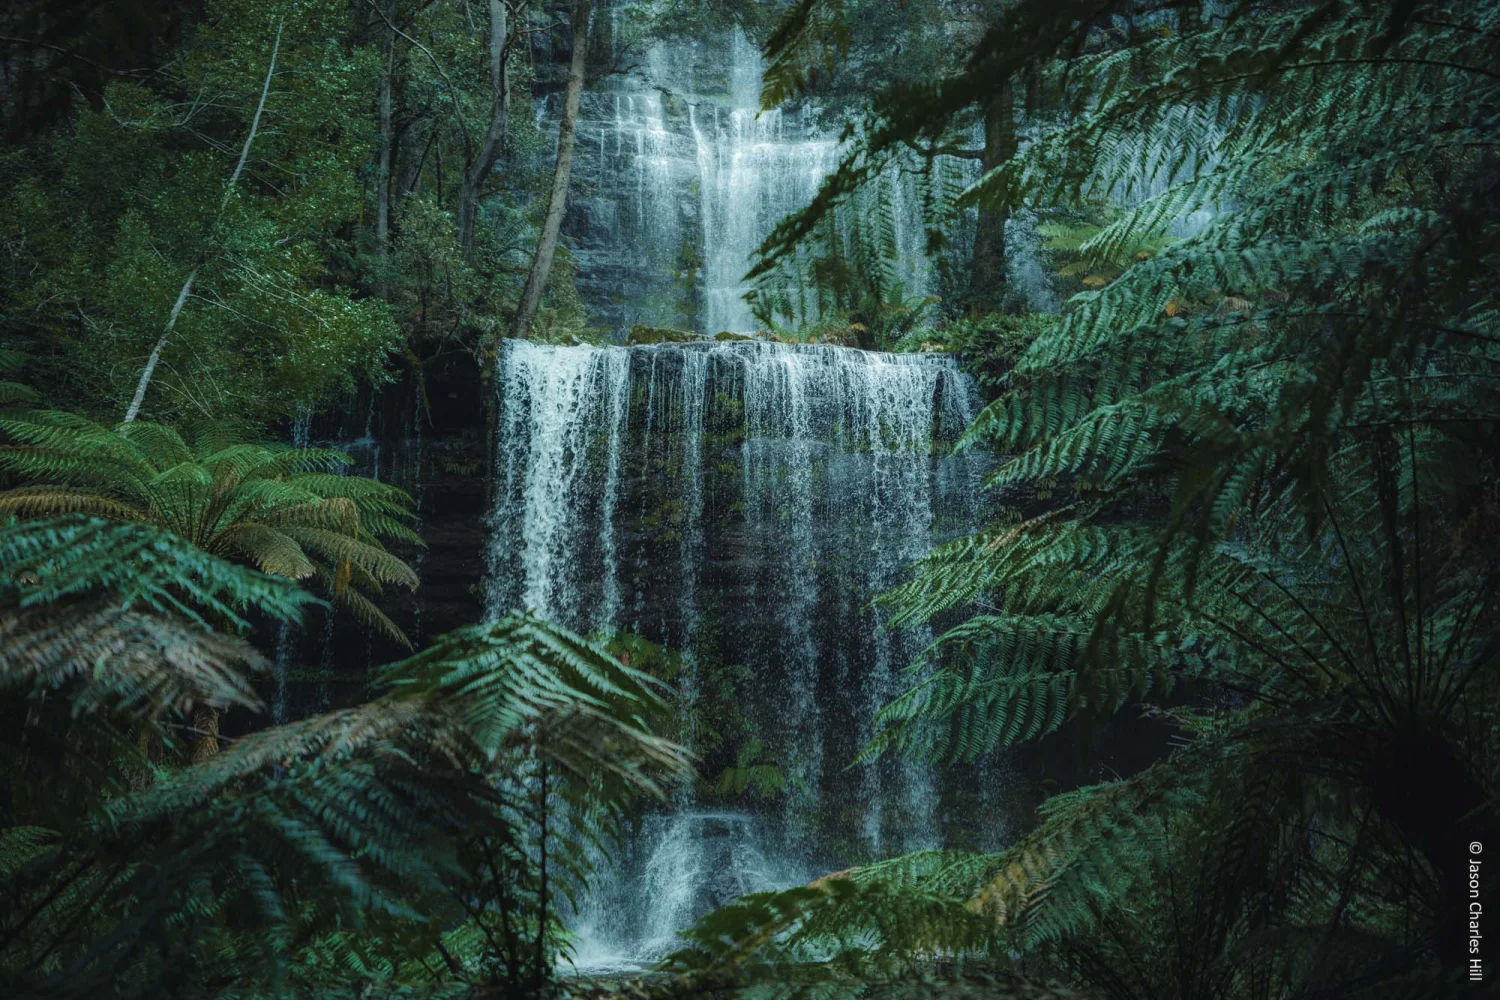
{"x": 206, "y": 729}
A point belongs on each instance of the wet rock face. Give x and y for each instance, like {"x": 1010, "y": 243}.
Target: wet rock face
{"x": 425, "y": 436}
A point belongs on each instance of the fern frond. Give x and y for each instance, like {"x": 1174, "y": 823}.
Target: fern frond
{"x": 110, "y": 659}
{"x": 142, "y": 566}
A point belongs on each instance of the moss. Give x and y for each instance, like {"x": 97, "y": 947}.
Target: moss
{"x": 660, "y": 335}
{"x": 726, "y": 335}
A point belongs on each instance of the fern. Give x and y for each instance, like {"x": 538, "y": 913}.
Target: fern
{"x": 281, "y": 510}
{"x": 1264, "y": 450}
{"x": 142, "y": 566}
{"x": 294, "y": 840}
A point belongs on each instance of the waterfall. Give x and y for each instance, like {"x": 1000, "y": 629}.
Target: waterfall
{"x": 686, "y": 176}
{"x": 694, "y": 861}
{"x": 553, "y": 403}
{"x": 752, "y": 498}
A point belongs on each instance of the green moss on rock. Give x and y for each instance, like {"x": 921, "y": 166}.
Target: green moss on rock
{"x": 660, "y": 335}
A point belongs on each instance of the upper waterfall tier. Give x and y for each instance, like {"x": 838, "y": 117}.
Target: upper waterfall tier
{"x": 679, "y": 178}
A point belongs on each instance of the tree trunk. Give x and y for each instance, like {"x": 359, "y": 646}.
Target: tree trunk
{"x": 205, "y": 723}
{"x": 536, "y": 280}
{"x": 187, "y": 286}
{"x": 383, "y": 177}
{"x": 987, "y": 280}
{"x": 161, "y": 342}
{"x": 495, "y": 137}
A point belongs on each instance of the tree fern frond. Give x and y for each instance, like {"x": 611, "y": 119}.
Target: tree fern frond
{"x": 277, "y": 508}
{"x": 161, "y": 445}
{"x": 267, "y": 549}
{"x": 48, "y": 561}
{"x": 337, "y": 547}
{"x": 17, "y": 393}
{"x": 44, "y": 501}
{"x": 111, "y": 659}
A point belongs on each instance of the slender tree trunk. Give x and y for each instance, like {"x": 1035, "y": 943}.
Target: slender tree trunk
{"x": 387, "y": 143}
{"x": 495, "y": 136}
{"x": 410, "y": 173}
{"x": 536, "y": 280}
{"x": 987, "y": 279}
{"x": 161, "y": 342}
{"x": 187, "y": 286}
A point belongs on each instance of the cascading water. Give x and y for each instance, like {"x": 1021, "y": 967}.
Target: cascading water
{"x": 742, "y": 503}
{"x": 684, "y": 176}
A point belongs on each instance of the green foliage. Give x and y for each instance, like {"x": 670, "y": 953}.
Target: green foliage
{"x": 142, "y": 566}
{"x": 356, "y": 850}
{"x": 285, "y": 511}
{"x": 104, "y": 224}
{"x": 109, "y": 637}
{"x": 850, "y": 273}
{"x": 810, "y": 42}
{"x": 752, "y": 772}
{"x": 78, "y": 592}
{"x": 988, "y": 346}
{"x": 733, "y": 760}
{"x": 1262, "y": 457}
{"x": 335, "y": 247}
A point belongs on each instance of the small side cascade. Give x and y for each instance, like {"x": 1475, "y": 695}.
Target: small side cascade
{"x": 741, "y": 503}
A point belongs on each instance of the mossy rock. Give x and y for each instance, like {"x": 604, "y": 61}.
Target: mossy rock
{"x": 844, "y": 336}
{"x": 660, "y": 335}
{"x": 726, "y": 335}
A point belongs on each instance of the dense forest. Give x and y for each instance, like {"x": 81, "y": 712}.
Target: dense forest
{"x": 765, "y": 498}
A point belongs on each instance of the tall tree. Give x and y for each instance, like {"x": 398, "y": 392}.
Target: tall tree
{"x": 181, "y": 246}
{"x": 541, "y": 264}
{"x": 987, "y": 276}
{"x": 493, "y": 144}
{"x": 187, "y": 286}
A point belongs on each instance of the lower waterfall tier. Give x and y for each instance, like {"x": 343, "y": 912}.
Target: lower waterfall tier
{"x": 741, "y": 504}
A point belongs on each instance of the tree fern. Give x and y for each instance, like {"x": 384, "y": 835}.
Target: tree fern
{"x": 282, "y": 510}
{"x": 1265, "y": 451}
{"x": 365, "y": 817}
{"x": 124, "y": 617}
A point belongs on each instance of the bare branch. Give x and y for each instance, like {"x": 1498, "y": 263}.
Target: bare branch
{"x": 38, "y": 44}
{"x": 187, "y": 286}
